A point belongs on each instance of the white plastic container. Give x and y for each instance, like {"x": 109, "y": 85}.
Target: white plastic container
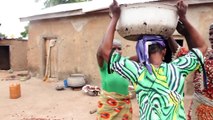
{"x": 147, "y": 18}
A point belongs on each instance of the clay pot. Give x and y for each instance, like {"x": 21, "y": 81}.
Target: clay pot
{"x": 76, "y": 80}
{"x": 147, "y": 18}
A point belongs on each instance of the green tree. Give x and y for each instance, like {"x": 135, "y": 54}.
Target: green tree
{"x": 2, "y": 36}
{"x": 24, "y": 34}
{"x": 50, "y": 3}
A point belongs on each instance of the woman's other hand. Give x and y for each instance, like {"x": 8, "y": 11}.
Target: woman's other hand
{"x": 182, "y": 8}
{"x": 115, "y": 9}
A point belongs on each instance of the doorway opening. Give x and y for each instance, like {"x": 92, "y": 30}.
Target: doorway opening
{"x": 179, "y": 41}
{"x": 4, "y": 57}
{"x": 50, "y": 57}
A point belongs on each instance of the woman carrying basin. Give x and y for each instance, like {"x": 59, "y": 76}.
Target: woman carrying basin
{"x": 158, "y": 85}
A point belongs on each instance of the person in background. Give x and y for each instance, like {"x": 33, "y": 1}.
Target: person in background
{"x": 158, "y": 85}
{"x": 202, "y": 103}
{"x": 201, "y": 107}
{"x": 114, "y": 102}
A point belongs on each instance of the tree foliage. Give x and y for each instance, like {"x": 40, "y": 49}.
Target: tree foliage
{"x": 2, "y": 36}
{"x": 24, "y": 34}
{"x": 50, "y": 3}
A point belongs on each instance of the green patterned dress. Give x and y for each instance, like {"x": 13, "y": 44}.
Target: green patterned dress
{"x": 160, "y": 94}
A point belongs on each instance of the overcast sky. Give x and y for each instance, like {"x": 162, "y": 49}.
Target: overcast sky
{"x": 11, "y": 11}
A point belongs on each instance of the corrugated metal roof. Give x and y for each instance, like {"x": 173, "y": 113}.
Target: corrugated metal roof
{"x": 71, "y": 9}
{"x": 190, "y": 2}
{"x": 61, "y": 10}
{"x": 80, "y": 8}
{"x": 99, "y": 4}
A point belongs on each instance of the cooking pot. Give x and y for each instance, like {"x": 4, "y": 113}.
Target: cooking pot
{"x": 76, "y": 80}
{"x": 147, "y": 18}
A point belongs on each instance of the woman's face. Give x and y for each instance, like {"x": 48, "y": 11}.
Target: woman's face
{"x": 117, "y": 48}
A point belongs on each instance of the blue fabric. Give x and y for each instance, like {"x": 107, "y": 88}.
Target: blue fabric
{"x": 142, "y": 48}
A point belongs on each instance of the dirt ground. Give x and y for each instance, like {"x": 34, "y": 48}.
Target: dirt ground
{"x": 40, "y": 101}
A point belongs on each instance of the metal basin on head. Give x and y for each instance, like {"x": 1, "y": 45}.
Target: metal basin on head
{"x": 146, "y": 18}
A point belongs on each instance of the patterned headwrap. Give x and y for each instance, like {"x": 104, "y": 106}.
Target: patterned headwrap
{"x": 142, "y": 48}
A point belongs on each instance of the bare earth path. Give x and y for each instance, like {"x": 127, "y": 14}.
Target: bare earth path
{"x": 40, "y": 101}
